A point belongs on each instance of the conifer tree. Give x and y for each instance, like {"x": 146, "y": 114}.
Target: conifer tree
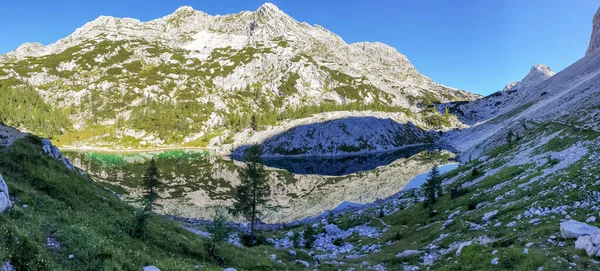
{"x": 254, "y": 190}
{"x": 150, "y": 185}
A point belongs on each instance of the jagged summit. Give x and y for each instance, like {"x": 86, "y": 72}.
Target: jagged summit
{"x": 184, "y": 9}
{"x": 215, "y": 61}
{"x": 269, "y": 7}
{"x": 595, "y": 39}
{"x": 537, "y": 74}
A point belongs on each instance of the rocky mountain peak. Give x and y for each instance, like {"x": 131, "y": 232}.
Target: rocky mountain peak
{"x": 269, "y": 8}
{"x": 537, "y": 74}
{"x": 184, "y": 10}
{"x": 29, "y": 49}
{"x": 595, "y": 39}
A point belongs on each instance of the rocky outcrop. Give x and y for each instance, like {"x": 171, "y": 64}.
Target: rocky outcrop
{"x": 54, "y": 152}
{"x": 572, "y": 229}
{"x": 595, "y": 39}
{"x": 344, "y": 136}
{"x": 4, "y": 197}
{"x": 537, "y": 74}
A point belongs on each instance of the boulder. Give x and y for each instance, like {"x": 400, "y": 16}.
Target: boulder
{"x": 573, "y": 229}
{"x": 6, "y": 266}
{"x": 488, "y": 216}
{"x": 46, "y": 142}
{"x": 305, "y": 263}
{"x": 332, "y": 229}
{"x": 229, "y": 269}
{"x": 407, "y": 253}
{"x": 150, "y": 268}
{"x": 585, "y": 243}
{"x": 4, "y": 197}
{"x": 47, "y": 149}
{"x": 56, "y": 152}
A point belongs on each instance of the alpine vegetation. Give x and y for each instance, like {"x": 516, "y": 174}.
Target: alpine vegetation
{"x": 252, "y": 141}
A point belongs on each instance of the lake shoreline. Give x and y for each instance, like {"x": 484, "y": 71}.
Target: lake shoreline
{"x": 233, "y": 155}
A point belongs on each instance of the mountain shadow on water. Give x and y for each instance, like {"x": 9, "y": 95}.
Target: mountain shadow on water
{"x": 343, "y": 146}
{"x": 342, "y": 165}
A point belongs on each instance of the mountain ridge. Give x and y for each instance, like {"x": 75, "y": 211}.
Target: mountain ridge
{"x": 211, "y": 76}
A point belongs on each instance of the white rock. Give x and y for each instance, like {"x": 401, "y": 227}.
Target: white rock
{"x": 590, "y": 219}
{"x": 4, "y": 197}
{"x": 488, "y": 216}
{"x": 572, "y": 229}
{"x": 6, "y": 266}
{"x": 332, "y": 229}
{"x": 407, "y": 253}
{"x": 495, "y": 261}
{"x": 596, "y": 238}
{"x": 494, "y": 252}
{"x": 229, "y": 269}
{"x": 71, "y": 256}
{"x": 511, "y": 224}
{"x": 526, "y": 251}
{"x": 585, "y": 243}
{"x": 292, "y": 252}
{"x": 305, "y": 263}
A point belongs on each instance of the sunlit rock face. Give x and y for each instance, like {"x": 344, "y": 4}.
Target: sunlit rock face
{"x": 595, "y": 39}
{"x": 189, "y": 77}
{"x": 194, "y": 182}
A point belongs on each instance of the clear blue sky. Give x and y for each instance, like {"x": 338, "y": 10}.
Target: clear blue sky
{"x": 476, "y": 45}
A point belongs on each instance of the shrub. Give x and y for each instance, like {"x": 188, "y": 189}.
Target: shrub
{"x": 330, "y": 218}
{"x": 458, "y": 191}
{"x": 338, "y": 242}
{"x": 472, "y": 205}
{"x": 140, "y": 224}
{"x": 309, "y": 236}
{"x": 295, "y": 239}
{"x": 219, "y": 233}
{"x": 397, "y": 236}
{"x": 259, "y": 240}
{"x": 476, "y": 172}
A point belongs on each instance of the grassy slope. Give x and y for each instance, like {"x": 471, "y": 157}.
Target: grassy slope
{"x": 413, "y": 228}
{"x": 92, "y": 224}
{"x": 71, "y": 209}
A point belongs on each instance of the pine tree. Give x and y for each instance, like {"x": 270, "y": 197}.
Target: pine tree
{"x": 434, "y": 174}
{"x": 432, "y": 187}
{"x": 254, "y": 190}
{"x": 150, "y": 185}
{"x": 254, "y": 123}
